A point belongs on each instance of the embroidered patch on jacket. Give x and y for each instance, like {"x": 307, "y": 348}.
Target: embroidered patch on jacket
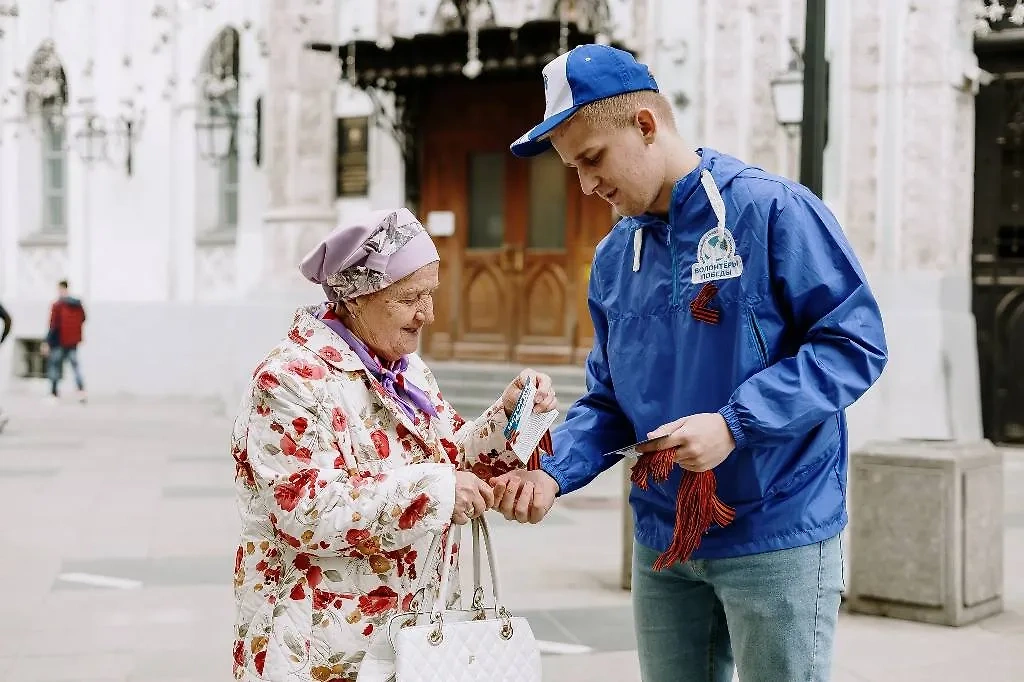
{"x": 716, "y": 257}
{"x": 699, "y": 305}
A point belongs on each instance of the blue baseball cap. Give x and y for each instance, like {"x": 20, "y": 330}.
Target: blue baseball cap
{"x": 582, "y": 75}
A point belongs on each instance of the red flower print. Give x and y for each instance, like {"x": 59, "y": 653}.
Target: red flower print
{"x": 321, "y": 599}
{"x": 306, "y": 370}
{"x": 356, "y": 536}
{"x": 451, "y": 449}
{"x": 302, "y": 561}
{"x": 263, "y": 410}
{"x": 238, "y": 559}
{"x": 288, "y": 495}
{"x": 368, "y": 630}
{"x": 295, "y": 336}
{"x": 402, "y": 431}
{"x": 288, "y": 445}
{"x": 267, "y": 381}
{"x": 380, "y": 441}
{"x": 260, "y": 660}
{"x": 330, "y": 353}
{"x": 407, "y": 601}
{"x": 378, "y": 601}
{"x": 338, "y": 420}
{"x": 300, "y": 425}
{"x": 239, "y": 652}
{"x": 314, "y": 576}
{"x": 305, "y": 455}
{"x": 276, "y": 428}
{"x": 483, "y": 471}
{"x": 414, "y": 513}
{"x": 457, "y": 421}
{"x": 298, "y": 593}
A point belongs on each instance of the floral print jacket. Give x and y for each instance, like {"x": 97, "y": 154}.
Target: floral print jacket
{"x": 340, "y": 494}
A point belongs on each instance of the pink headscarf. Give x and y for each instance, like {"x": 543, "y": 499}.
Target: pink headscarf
{"x": 369, "y": 254}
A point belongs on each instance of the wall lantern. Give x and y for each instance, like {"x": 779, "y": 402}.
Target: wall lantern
{"x": 788, "y": 93}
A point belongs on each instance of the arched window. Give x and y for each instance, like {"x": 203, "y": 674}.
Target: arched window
{"x": 219, "y": 114}
{"x": 46, "y": 99}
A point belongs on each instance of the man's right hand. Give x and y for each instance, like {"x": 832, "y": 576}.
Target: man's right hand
{"x": 524, "y": 496}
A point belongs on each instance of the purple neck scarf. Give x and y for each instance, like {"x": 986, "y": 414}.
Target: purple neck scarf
{"x": 408, "y": 396}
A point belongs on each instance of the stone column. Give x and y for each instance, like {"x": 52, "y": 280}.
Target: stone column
{"x": 300, "y": 141}
{"x": 900, "y": 177}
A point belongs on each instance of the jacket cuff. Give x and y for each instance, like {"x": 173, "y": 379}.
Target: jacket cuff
{"x": 550, "y": 467}
{"x": 732, "y": 420}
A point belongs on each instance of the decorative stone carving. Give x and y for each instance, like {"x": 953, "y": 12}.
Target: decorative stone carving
{"x": 40, "y": 267}
{"x": 300, "y": 133}
{"x": 215, "y": 272}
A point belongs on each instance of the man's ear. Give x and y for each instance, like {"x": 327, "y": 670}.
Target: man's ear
{"x": 647, "y": 123}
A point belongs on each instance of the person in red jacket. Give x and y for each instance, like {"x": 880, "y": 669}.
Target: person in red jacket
{"x": 67, "y": 316}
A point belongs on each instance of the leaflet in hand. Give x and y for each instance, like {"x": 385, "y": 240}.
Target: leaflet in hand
{"x": 629, "y": 452}
{"x": 525, "y": 427}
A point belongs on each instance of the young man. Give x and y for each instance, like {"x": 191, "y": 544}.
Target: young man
{"x": 733, "y": 321}
{"x": 67, "y": 316}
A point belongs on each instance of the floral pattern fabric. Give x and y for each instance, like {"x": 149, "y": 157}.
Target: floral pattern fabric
{"x": 340, "y": 494}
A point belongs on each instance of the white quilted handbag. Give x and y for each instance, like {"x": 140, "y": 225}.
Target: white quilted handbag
{"x": 482, "y": 644}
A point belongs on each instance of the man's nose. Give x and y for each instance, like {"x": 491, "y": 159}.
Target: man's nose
{"x": 588, "y": 182}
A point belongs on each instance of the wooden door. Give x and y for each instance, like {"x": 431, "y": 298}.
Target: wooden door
{"x": 510, "y": 276}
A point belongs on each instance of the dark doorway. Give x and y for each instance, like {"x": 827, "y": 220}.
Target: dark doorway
{"x": 998, "y": 249}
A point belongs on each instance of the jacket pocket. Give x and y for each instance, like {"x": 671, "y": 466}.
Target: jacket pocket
{"x": 757, "y": 338}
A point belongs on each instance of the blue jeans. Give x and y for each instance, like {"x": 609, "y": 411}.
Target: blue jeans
{"x": 58, "y": 355}
{"x": 773, "y": 615}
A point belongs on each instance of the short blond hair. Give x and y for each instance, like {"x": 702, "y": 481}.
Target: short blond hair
{"x": 620, "y": 111}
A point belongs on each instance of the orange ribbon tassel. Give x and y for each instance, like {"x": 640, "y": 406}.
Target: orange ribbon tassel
{"x": 697, "y": 504}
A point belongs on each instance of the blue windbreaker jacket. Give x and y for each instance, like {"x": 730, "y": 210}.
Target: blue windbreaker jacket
{"x": 799, "y": 339}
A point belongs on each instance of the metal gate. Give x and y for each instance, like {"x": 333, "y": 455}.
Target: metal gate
{"x": 998, "y": 262}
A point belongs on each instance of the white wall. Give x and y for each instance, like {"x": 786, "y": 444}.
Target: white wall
{"x": 129, "y": 238}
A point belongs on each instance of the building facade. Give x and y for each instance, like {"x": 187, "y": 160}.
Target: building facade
{"x": 257, "y": 125}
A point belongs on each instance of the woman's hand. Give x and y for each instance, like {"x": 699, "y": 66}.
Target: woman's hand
{"x": 545, "y": 399}
{"x": 473, "y": 497}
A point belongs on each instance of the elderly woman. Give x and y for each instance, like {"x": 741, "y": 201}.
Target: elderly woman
{"x": 349, "y": 460}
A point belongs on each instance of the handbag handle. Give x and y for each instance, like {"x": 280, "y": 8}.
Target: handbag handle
{"x": 479, "y": 528}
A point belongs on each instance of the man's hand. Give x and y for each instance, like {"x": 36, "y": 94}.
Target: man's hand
{"x": 545, "y": 399}
{"x": 524, "y": 496}
{"x": 701, "y": 441}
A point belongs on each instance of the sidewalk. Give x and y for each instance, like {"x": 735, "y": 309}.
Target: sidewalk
{"x": 121, "y": 532}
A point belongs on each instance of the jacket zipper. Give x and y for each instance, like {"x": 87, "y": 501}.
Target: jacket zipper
{"x": 755, "y": 330}
{"x": 672, "y": 258}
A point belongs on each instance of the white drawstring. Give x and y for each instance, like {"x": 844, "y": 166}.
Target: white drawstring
{"x": 715, "y": 197}
{"x": 717, "y": 205}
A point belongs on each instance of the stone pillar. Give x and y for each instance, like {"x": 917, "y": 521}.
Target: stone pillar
{"x": 927, "y": 531}
{"x": 300, "y": 142}
{"x": 899, "y": 175}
